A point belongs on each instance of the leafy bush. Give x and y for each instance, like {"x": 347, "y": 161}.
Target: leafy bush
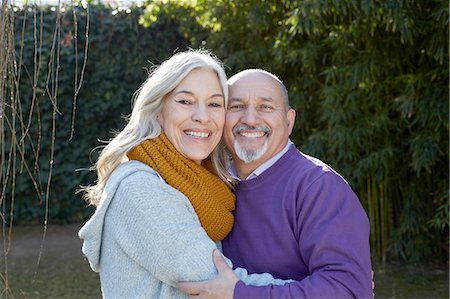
{"x": 120, "y": 53}
{"x": 369, "y": 82}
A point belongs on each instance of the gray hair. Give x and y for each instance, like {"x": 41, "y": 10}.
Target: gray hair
{"x": 148, "y": 101}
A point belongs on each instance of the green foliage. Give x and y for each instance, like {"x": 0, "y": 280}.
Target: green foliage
{"x": 369, "y": 81}
{"x": 120, "y": 52}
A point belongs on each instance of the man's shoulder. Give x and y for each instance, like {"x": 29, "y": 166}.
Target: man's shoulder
{"x": 307, "y": 168}
{"x": 307, "y": 163}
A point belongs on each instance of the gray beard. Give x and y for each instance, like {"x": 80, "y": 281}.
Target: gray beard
{"x": 249, "y": 155}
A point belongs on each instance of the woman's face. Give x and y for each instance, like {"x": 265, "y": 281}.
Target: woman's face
{"x": 193, "y": 114}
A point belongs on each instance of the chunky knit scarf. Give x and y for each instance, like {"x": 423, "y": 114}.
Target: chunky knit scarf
{"x": 211, "y": 198}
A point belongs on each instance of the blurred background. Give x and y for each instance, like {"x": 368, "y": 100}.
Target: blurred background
{"x": 369, "y": 81}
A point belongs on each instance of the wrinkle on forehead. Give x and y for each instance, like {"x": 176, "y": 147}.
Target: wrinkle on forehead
{"x": 258, "y": 83}
{"x": 256, "y": 86}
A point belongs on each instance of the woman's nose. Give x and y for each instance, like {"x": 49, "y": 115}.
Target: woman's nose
{"x": 200, "y": 114}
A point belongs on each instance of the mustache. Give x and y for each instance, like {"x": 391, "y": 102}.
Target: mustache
{"x": 239, "y": 128}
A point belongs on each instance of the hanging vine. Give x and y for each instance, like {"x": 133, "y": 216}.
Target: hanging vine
{"x": 21, "y": 147}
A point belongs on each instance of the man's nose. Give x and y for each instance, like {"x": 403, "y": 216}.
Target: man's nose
{"x": 250, "y": 116}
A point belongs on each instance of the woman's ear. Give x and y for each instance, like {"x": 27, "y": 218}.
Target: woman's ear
{"x": 159, "y": 119}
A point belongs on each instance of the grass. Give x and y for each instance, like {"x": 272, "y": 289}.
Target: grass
{"x": 63, "y": 273}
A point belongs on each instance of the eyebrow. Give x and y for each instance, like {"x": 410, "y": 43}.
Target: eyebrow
{"x": 184, "y": 91}
{"x": 266, "y": 99}
{"x": 192, "y": 94}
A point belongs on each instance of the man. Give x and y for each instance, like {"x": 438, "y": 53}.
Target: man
{"x": 295, "y": 217}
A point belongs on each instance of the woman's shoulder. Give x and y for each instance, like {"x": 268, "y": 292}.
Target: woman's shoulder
{"x": 134, "y": 177}
{"x": 133, "y": 169}
{"x": 136, "y": 183}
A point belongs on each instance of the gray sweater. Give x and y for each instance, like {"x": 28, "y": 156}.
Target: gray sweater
{"x": 145, "y": 237}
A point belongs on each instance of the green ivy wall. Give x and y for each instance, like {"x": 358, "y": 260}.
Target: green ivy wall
{"x": 369, "y": 82}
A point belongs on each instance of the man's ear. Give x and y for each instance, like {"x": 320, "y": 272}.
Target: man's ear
{"x": 290, "y": 115}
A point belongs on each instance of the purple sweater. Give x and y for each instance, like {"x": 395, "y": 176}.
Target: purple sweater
{"x": 300, "y": 220}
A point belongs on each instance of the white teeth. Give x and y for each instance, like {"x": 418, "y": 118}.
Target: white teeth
{"x": 252, "y": 135}
{"x": 197, "y": 134}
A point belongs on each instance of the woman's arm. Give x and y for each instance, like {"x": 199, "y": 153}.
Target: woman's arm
{"x": 156, "y": 226}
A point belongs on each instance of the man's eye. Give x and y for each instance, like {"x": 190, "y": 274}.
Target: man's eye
{"x": 266, "y": 108}
{"x": 235, "y": 107}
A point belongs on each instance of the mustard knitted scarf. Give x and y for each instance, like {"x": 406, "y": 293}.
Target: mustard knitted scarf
{"x": 211, "y": 198}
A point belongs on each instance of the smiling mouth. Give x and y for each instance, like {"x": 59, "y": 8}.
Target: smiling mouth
{"x": 197, "y": 134}
{"x": 252, "y": 134}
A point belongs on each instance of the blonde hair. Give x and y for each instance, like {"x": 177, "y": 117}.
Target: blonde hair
{"x": 143, "y": 124}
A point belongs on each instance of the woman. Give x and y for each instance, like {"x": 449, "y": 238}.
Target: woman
{"x": 159, "y": 214}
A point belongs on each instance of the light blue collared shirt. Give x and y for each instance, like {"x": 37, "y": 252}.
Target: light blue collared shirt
{"x": 260, "y": 169}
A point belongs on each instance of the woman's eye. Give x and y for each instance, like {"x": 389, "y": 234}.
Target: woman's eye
{"x": 184, "y": 101}
{"x": 215, "y": 105}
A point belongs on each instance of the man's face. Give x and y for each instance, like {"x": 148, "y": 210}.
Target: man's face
{"x": 257, "y": 125}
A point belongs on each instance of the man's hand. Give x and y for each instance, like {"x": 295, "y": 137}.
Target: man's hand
{"x": 221, "y": 287}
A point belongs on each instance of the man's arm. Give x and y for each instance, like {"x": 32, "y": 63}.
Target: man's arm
{"x": 334, "y": 242}
{"x": 221, "y": 287}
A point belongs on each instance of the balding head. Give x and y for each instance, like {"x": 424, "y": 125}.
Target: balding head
{"x": 255, "y": 73}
